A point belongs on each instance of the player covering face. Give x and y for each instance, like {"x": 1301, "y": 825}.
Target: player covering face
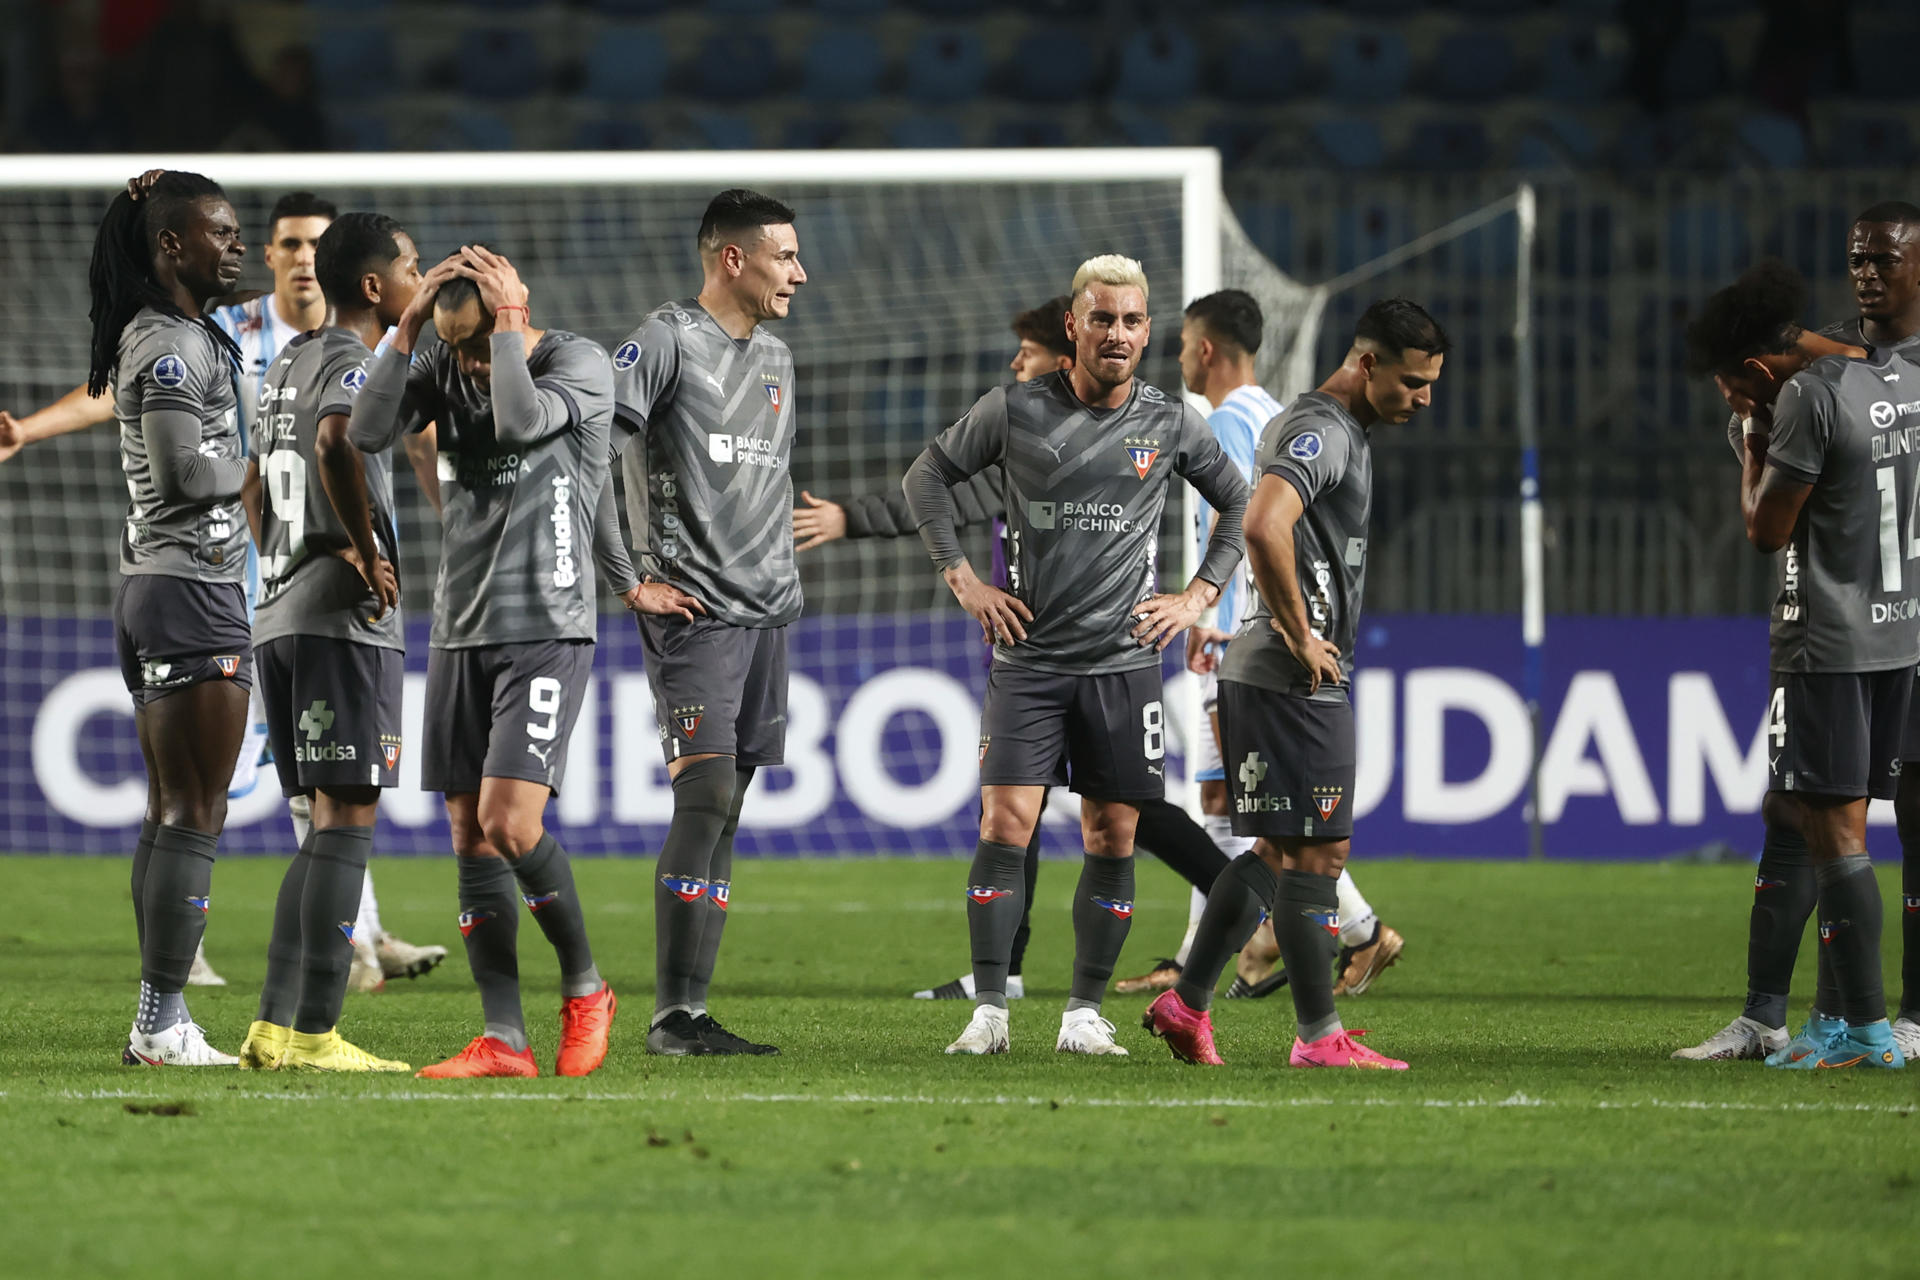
{"x": 1286, "y": 720}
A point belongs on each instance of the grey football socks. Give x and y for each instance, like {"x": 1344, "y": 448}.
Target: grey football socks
{"x": 996, "y": 899}
{"x": 1784, "y": 893}
{"x": 1850, "y": 923}
{"x": 142, "y": 855}
{"x": 175, "y": 894}
{"x": 490, "y": 923}
{"x": 280, "y": 992}
{"x": 719, "y": 897}
{"x": 329, "y": 903}
{"x": 1102, "y": 914}
{"x": 1241, "y": 897}
{"x": 546, "y": 883}
{"x": 1306, "y": 924}
{"x": 702, "y": 799}
{"x": 1017, "y": 959}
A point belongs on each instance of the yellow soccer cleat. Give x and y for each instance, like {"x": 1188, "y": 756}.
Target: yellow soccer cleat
{"x": 266, "y": 1043}
{"x": 326, "y": 1051}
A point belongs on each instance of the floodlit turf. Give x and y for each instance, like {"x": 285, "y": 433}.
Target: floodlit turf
{"x": 1541, "y": 1131}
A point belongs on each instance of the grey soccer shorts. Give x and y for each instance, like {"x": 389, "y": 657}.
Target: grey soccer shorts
{"x": 1290, "y": 762}
{"x": 1837, "y": 733}
{"x": 502, "y": 711}
{"x": 718, "y": 688}
{"x": 172, "y": 633}
{"x": 333, "y": 712}
{"x": 1103, "y": 734}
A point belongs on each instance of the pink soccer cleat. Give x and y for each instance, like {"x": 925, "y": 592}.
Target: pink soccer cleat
{"x": 1341, "y": 1049}
{"x": 1188, "y": 1031}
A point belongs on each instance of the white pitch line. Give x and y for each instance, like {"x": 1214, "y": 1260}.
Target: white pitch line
{"x": 1517, "y": 1100}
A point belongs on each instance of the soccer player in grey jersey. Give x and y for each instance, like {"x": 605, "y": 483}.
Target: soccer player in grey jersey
{"x": 1286, "y": 722}
{"x": 180, "y": 615}
{"x": 1830, "y": 480}
{"x": 704, "y": 398}
{"x": 522, "y": 419}
{"x": 1883, "y": 263}
{"x": 329, "y": 636}
{"x": 1088, "y": 457}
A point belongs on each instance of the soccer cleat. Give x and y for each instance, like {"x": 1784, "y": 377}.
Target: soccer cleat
{"x": 986, "y": 1032}
{"x": 401, "y": 959}
{"x": 585, "y": 1022}
{"x": 1241, "y": 989}
{"x": 1341, "y": 1049}
{"x": 1869, "y": 1046}
{"x": 1359, "y": 966}
{"x": 1188, "y": 1031}
{"x": 365, "y": 975}
{"x": 1164, "y": 974}
{"x": 961, "y": 988}
{"x": 1260, "y": 958}
{"x": 327, "y": 1051}
{"x": 483, "y": 1056}
{"x": 182, "y": 1045}
{"x": 264, "y": 1045}
{"x": 719, "y": 1040}
{"x": 1085, "y": 1031}
{"x": 1906, "y": 1034}
{"x": 202, "y": 974}
{"x": 1739, "y": 1040}
{"x": 1818, "y": 1030}
{"x": 675, "y": 1036}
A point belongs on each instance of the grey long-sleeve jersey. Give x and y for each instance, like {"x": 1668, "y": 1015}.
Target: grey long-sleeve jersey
{"x": 1084, "y": 493}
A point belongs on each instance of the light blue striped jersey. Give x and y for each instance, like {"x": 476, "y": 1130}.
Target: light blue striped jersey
{"x": 1238, "y": 422}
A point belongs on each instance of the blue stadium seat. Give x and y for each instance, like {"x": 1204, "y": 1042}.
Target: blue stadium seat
{"x": 946, "y": 65}
{"x": 1447, "y": 146}
{"x": 735, "y": 66}
{"x": 1261, "y": 68}
{"x": 609, "y": 133}
{"x": 723, "y": 131}
{"x": 1775, "y": 142}
{"x": 840, "y": 64}
{"x": 1158, "y": 64}
{"x": 625, "y": 64}
{"x": 1350, "y": 142}
{"x": 1475, "y": 65}
{"x": 1576, "y": 68}
{"x": 497, "y": 64}
{"x": 850, "y": 8}
{"x": 1883, "y": 61}
{"x": 1870, "y": 142}
{"x": 1368, "y": 66}
{"x": 1696, "y": 67}
{"x": 353, "y": 63}
{"x": 470, "y": 129}
{"x": 1032, "y": 132}
{"x": 1052, "y": 64}
{"x": 927, "y": 131}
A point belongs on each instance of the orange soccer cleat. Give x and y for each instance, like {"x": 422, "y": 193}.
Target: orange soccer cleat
{"x": 584, "y": 1024}
{"x": 483, "y": 1056}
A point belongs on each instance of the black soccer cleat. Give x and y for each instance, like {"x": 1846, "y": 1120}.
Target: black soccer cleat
{"x": 676, "y": 1036}
{"x": 719, "y": 1040}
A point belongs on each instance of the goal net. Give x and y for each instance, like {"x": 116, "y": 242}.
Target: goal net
{"x": 917, "y": 263}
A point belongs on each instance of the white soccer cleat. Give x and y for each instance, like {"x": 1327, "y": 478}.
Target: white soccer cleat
{"x": 182, "y": 1045}
{"x": 1085, "y": 1031}
{"x": 1739, "y": 1040}
{"x": 202, "y": 974}
{"x": 986, "y": 1033}
{"x": 365, "y": 974}
{"x": 1906, "y": 1034}
{"x": 961, "y": 988}
{"x": 401, "y": 959}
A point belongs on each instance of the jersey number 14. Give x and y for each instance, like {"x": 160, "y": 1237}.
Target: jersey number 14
{"x": 1892, "y": 564}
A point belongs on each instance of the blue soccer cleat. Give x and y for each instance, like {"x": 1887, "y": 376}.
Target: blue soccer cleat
{"x": 1868, "y": 1046}
{"x": 1818, "y": 1030}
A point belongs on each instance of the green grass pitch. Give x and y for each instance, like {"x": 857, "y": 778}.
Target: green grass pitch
{"x": 1541, "y": 1131}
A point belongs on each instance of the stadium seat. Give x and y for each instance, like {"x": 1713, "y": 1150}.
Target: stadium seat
{"x": 1696, "y": 67}
{"x": 735, "y": 66}
{"x": 609, "y": 133}
{"x": 1774, "y": 141}
{"x": 625, "y": 64}
{"x": 470, "y": 129}
{"x": 1475, "y": 65}
{"x": 1031, "y": 132}
{"x": 723, "y": 131}
{"x": 1869, "y": 142}
{"x": 946, "y": 65}
{"x": 926, "y": 131}
{"x": 1052, "y": 64}
{"x": 1263, "y": 67}
{"x": 1368, "y": 66}
{"x": 497, "y": 64}
{"x": 1576, "y": 67}
{"x": 1447, "y": 146}
{"x": 1158, "y": 64}
{"x": 1350, "y": 142}
{"x": 353, "y": 63}
{"x": 840, "y": 64}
